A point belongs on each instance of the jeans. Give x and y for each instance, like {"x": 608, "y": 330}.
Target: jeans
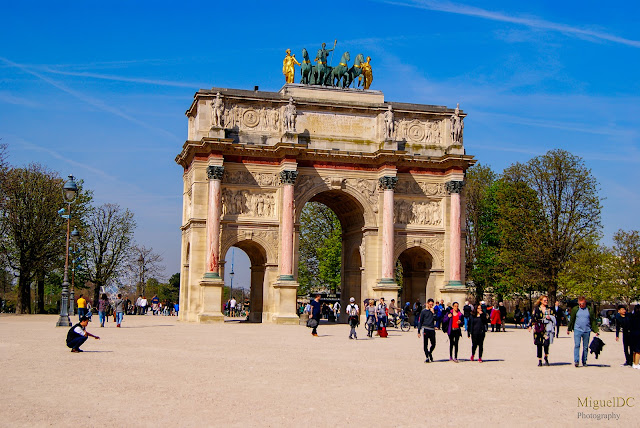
{"x": 584, "y": 336}
{"x": 119, "y": 317}
{"x": 103, "y": 317}
{"x": 382, "y": 322}
{"x": 82, "y": 312}
{"x": 466, "y": 323}
{"x": 77, "y": 342}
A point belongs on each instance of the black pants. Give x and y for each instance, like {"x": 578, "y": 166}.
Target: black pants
{"x": 454, "y": 337}
{"x": 315, "y": 329}
{"x": 429, "y": 335}
{"x": 545, "y": 345}
{"x": 477, "y": 341}
{"x": 77, "y": 342}
{"x": 626, "y": 345}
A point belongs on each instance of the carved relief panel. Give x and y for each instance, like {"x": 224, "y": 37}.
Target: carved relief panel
{"x": 419, "y": 213}
{"x": 420, "y": 132}
{"x": 249, "y": 178}
{"x": 252, "y": 118}
{"x": 246, "y": 203}
{"x": 410, "y": 187}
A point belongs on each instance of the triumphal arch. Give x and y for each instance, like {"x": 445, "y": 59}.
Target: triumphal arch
{"x": 392, "y": 172}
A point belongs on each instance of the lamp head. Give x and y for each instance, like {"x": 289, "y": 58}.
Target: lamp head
{"x": 70, "y": 189}
{"x": 75, "y": 234}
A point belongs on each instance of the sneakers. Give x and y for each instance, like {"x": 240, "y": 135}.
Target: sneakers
{"x": 635, "y": 366}
{"x": 426, "y": 361}
{"x": 540, "y": 363}
{"x": 455, "y": 360}
{"x": 577, "y": 365}
{"x": 77, "y": 350}
{"x": 472, "y": 358}
{"x": 584, "y": 364}
{"x": 350, "y": 337}
{"x": 118, "y": 325}
{"x": 479, "y": 360}
{"x": 450, "y": 359}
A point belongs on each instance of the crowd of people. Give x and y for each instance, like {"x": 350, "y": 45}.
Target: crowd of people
{"x": 474, "y": 320}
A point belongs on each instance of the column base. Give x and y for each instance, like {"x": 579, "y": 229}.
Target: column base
{"x": 453, "y": 284}
{"x": 211, "y": 298}
{"x": 387, "y": 288}
{"x": 286, "y": 278}
{"x": 454, "y": 291}
{"x": 211, "y": 275}
{"x": 287, "y": 293}
{"x": 63, "y": 321}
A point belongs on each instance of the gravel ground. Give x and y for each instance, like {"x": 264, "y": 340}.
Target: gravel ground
{"x": 157, "y": 371}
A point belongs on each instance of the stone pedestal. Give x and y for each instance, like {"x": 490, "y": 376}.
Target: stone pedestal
{"x": 217, "y": 132}
{"x": 289, "y": 138}
{"x": 211, "y": 289}
{"x": 287, "y": 294}
{"x": 386, "y": 288}
{"x": 303, "y": 319}
{"x": 454, "y": 291}
{"x": 389, "y": 144}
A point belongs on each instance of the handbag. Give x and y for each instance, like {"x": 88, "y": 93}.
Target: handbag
{"x": 312, "y": 323}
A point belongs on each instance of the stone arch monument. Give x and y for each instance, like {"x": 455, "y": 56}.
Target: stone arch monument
{"x": 392, "y": 172}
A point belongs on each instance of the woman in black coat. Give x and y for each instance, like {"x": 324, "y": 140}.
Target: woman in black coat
{"x": 634, "y": 329}
{"x": 477, "y": 327}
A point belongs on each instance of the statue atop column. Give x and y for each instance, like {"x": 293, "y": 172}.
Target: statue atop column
{"x": 456, "y": 126}
{"x": 288, "y": 66}
{"x": 388, "y": 123}
{"x": 217, "y": 111}
{"x": 290, "y": 114}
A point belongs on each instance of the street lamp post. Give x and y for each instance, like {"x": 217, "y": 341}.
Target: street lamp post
{"x": 231, "y": 281}
{"x": 141, "y": 261}
{"x": 69, "y": 192}
{"x": 72, "y": 298}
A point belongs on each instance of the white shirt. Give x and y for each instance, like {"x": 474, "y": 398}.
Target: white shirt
{"x": 80, "y": 331}
{"x": 233, "y": 303}
{"x": 143, "y": 302}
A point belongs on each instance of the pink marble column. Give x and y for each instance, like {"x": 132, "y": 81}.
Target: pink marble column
{"x": 288, "y": 179}
{"x": 213, "y": 221}
{"x": 454, "y": 188}
{"x": 388, "y": 184}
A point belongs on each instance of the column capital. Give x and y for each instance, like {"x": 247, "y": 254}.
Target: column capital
{"x": 288, "y": 176}
{"x": 215, "y": 172}
{"x": 388, "y": 182}
{"x": 454, "y": 186}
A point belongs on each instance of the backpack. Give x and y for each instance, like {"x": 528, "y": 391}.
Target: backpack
{"x": 445, "y": 324}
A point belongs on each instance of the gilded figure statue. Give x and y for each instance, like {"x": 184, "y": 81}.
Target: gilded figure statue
{"x": 288, "y": 66}
{"x": 367, "y": 75}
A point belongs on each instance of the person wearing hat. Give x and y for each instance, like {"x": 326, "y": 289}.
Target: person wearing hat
{"x": 353, "y": 312}
{"x": 78, "y": 334}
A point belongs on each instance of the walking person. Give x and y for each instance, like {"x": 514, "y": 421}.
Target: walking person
{"x": 392, "y": 312}
{"x": 559, "y": 316}
{"x": 503, "y": 316}
{"x": 371, "y": 317}
{"x": 336, "y": 311}
{"x": 477, "y": 331}
{"x": 155, "y": 304}
{"x": 144, "y": 305}
{"x": 417, "y": 308}
{"x": 623, "y": 324}
{"x": 426, "y": 323}
{"x": 353, "y": 312}
{"x": 78, "y": 334}
{"x": 118, "y": 308}
{"x": 103, "y": 304}
{"x": 543, "y": 322}
{"x": 138, "y": 310}
{"x": 82, "y": 306}
{"x": 467, "y": 309}
{"x": 634, "y": 330}
{"x": 453, "y": 331}
{"x": 583, "y": 322}
{"x": 381, "y": 314}
{"x": 495, "y": 319}
{"x": 316, "y": 313}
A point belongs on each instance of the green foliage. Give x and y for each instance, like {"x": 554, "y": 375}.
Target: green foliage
{"x": 320, "y": 249}
{"x": 626, "y": 265}
{"x": 590, "y": 273}
{"x": 570, "y": 206}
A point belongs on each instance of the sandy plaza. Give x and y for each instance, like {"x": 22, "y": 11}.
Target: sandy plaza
{"x": 157, "y": 370}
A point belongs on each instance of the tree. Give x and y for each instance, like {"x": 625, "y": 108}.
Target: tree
{"x": 320, "y": 249}
{"x": 568, "y": 194}
{"x": 626, "y": 264}
{"x": 478, "y": 179}
{"x": 107, "y": 246}
{"x": 33, "y": 232}
{"x": 589, "y": 273}
{"x": 144, "y": 263}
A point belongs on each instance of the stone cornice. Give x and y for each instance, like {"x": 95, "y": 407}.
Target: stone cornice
{"x": 279, "y": 152}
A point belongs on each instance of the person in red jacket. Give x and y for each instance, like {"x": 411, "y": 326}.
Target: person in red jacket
{"x": 496, "y": 319}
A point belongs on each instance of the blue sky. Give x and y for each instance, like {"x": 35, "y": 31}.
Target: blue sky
{"x": 100, "y": 90}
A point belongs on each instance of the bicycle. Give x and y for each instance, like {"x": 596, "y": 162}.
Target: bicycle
{"x": 400, "y": 322}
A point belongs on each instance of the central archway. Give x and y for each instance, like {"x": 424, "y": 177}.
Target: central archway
{"x": 416, "y": 268}
{"x": 351, "y": 214}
